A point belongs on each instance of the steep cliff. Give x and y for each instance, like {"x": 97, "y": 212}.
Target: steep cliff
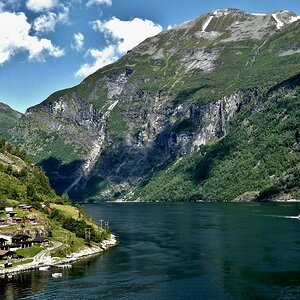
{"x": 162, "y": 102}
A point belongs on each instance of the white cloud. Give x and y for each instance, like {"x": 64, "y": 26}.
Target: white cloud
{"x": 1, "y": 6}
{"x": 92, "y": 2}
{"x": 127, "y": 34}
{"x": 63, "y": 16}
{"x": 14, "y": 38}
{"x": 101, "y": 58}
{"x": 47, "y": 22}
{"x": 41, "y": 5}
{"x": 123, "y": 36}
{"x": 78, "y": 42}
{"x": 12, "y": 4}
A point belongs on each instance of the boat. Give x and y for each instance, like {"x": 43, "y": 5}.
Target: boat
{"x": 57, "y": 275}
{"x": 45, "y": 268}
{"x": 67, "y": 266}
{"x": 63, "y": 266}
{"x": 293, "y": 217}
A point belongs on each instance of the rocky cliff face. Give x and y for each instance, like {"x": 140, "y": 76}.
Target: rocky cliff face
{"x": 165, "y": 99}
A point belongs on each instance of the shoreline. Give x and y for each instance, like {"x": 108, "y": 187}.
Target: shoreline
{"x": 270, "y": 200}
{"x": 75, "y": 256}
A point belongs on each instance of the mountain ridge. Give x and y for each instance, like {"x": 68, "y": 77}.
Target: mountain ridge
{"x": 168, "y": 97}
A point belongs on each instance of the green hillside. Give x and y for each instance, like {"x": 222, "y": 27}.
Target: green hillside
{"x": 22, "y": 182}
{"x": 8, "y": 119}
{"x": 258, "y": 160}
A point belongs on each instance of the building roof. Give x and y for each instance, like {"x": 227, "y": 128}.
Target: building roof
{"x": 4, "y": 252}
{"x": 26, "y": 206}
{"x": 9, "y": 209}
{"x": 39, "y": 239}
{"x": 21, "y": 236}
{"x": 3, "y": 240}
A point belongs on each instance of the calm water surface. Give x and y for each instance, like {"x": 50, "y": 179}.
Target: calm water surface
{"x": 182, "y": 251}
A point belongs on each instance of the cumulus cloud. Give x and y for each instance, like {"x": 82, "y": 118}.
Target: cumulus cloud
{"x": 128, "y": 34}
{"x": 78, "y": 42}
{"x": 41, "y": 5}
{"x": 47, "y": 22}
{"x": 101, "y": 58}
{"x": 15, "y": 37}
{"x": 122, "y": 36}
{"x": 97, "y": 2}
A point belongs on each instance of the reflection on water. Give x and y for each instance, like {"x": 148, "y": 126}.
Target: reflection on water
{"x": 16, "y": 286}
{"x": 182, "y": 251}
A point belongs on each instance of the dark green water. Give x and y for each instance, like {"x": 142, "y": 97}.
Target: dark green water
{"x": 182, "y": 251}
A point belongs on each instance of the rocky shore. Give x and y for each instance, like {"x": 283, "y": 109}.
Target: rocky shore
{"x": 46, "y": 260}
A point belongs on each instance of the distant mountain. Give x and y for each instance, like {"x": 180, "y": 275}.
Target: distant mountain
{"x": 8, "y": 119}
{"x": 206, "y": 110}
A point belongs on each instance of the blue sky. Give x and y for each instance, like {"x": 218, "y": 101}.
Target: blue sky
{"x": 47, "y": 45}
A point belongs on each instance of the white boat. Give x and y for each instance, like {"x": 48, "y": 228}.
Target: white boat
{"x": 45, "y": 268}
{"x": 57, "y": 275}
{"x": 293, "y": 217}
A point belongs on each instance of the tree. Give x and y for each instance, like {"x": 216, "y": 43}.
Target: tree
{"x": 30, "y": 191}
{"x": 2, "y": 203}
{"x": 2, "y": 145}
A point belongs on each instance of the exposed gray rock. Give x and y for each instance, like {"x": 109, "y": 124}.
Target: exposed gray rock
{"x": 199, "y": 59}
{"x": 254, "y": 26}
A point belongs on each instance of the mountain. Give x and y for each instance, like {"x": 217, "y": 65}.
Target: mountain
{"x": 206, "y": 110}
{"x": 8, "y": 119}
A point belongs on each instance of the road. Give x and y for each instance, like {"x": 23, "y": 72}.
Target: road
{"x": 45, "y": 256}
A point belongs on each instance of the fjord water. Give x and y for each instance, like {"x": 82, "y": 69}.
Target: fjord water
{"x": 182, "y": 251}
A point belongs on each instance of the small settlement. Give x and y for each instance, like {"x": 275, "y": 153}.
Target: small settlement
{"x": 16, "y": 220}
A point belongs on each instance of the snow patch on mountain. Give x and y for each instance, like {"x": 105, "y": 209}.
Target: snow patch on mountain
{"x": 205, "y": 25}
{"x": 279, "y": 23}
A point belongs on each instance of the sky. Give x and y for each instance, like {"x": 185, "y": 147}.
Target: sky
{"x": 48, "y": 45}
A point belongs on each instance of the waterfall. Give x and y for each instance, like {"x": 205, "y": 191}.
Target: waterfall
{"x": 222, "y": 117}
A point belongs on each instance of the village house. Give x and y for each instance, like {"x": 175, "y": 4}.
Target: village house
{"x": 5, "y": 247}
{"x": 32, "y": 219}
{"x": 47, "y": 208}
{"x": 40, "y": 241}
{"x": 3, "y": 222}
{"x": 10, "y": 213}
{"x": 17, "y": 220}
{"x": 6, "y": 254}
{"x": 22, "y": 240}
{"x": 3, "y": 241}
{"x": 8, "y": 209}
{"x": 25, "y": 207}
